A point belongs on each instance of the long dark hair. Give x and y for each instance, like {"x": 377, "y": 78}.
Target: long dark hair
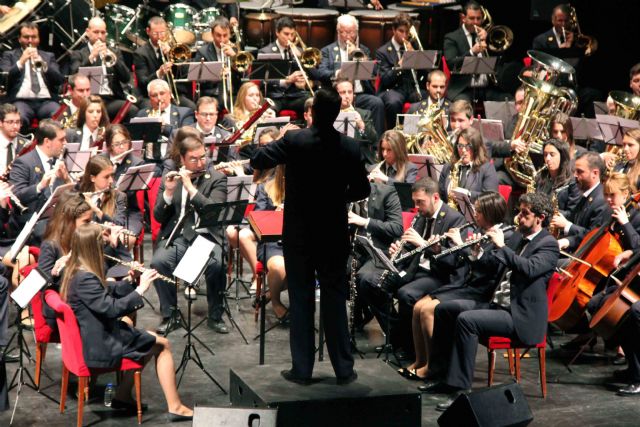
{"x": 96, "y": 165}
{"x": 474, "y": 139}
{"x": 544, "y": 182}
{"x": 82, "y": 110}
{"x": 492, "y": 206}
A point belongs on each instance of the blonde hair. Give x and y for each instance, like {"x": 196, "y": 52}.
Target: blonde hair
{"x": 240, "y": 113}
{"x": 274, "y": 187}
{"x": 617, "y": 182}
{"x": 86, "y": 254}
{"x": 398, "y": 145}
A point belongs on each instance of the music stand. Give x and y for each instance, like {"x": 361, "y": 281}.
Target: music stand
{"x": 422, "y": 162}
{"x": 420, "y": 60}
{"x": 267, "y": 225}
{"x": 22, "y": 297}
{"x": 500, "y": 110}
{"x": 276, "y": 122}
{"x": 136, "y": 178}
{"x": 202, "y": 71}
{"x": 358, "y": 70}
{"x": 147, "y": 130}
{"x": 190, "y": 269}
{"x": 77, "y": 161}
{"x": 463, "y": 200}
{"x": 475, "y": 66}
{"x": 613, "y": 128}
{"x": 269, "y": 70}
{"x": 97, "y": 78}
{"x": 408, "y": 123}
{"x": 490, "y": 129}
{"x": 345, "y": 123}
{"x": 222, "y": 215}
{"x": 586, "y": 129}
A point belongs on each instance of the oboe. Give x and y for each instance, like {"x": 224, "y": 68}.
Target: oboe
{"x": 393, "y": 257}
{"x": 468, "y": 243}
{"x": 424, "y": 247}
{"x": 137, "y": 268}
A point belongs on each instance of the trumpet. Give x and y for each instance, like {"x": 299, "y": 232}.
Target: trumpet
{"x": 468, "y": 243}
{"x": 354, "y": 52}
{"x": 38, "y": 63}
{"x": 140, "y": 269}
{"x": 108, "y": 57}
{"x": 424, "y": 247}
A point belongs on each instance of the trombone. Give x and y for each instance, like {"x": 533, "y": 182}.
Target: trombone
{"x": 177, "y": 53}
{"x": 309, "y": 57}
{"x": 413, "y": 35}
{"x": 227, "y": 84}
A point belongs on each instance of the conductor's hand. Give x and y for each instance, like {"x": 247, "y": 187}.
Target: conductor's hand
{"x": 412, "y": 236}
{"x": 146, "y": 280}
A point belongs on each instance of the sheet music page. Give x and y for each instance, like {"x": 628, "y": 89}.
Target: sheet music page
{"x": 194, "y": 260}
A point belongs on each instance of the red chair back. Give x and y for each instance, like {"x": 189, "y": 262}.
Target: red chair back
{"x": 152, "y": 195}
{"x": 72, "y": 356}
{"x": 43, "y": 331}
{"x": 407, "y": 217}
{"x": 505, "y": 192}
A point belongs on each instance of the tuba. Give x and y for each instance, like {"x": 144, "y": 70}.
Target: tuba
{"x": 627, "y": 105}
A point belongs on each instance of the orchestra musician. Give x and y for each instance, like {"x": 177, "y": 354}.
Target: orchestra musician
{"x": 11, "y": 142}
{"x": 558, "y": 172}
{"x": 79, "y": 90}
{"x": 591, "y": 210}
{"x": 530, "y": 255}
{"x": 307, "y": 152}
{"x": 395, "y": 165}
{"x": 106, "y": 339}
{"x": 97, "y": 52}
{"x": 436, "y": 89}
{"x": 92, "y": 120}
{"x": 216, "y": 51}
{"x": 291, "y": 92}
{"x": 149, "y": 65}
{"x": 559, "y": 36}
{"x": 634, "y": 79}
{"x": 477, "y": 285}
{"x": 365, "y": 132}
{"x": 34, "y": 76}
{"x": 631, "y": 151}
{"x": 396, "y": 86}
{"x": 460, "y": 115}
{"x": 469, "y": 40}
{"x": 334, "y": 54}
{"x": 160, "y": 105}
{"x": 183, "y": 196}
{"x": 37, "y": 174}
{"x": 471, "y": 165}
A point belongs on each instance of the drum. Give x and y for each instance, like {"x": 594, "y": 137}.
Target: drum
{"x": 181, "y": 19}
{"x": 375, "y": 26}
{"x": 317, "y": 27}
{"x": 259, "y": 28}
{"x": 204, "y": 18}
{"x": 117, "y": 18}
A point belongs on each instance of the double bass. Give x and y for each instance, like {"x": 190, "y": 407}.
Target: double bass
{"x": 591, "y": 263}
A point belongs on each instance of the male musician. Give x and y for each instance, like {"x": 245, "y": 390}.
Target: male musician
{"x": 150, "y": 66}
{"x": 397, "y": 86}
{"x": 436, "y": 89}
{"x": 182, "y": 198}
{"x": 380, "y": 218}
{"x": 634, "y": 79}
{"x": 172, "y": 116}
{"x": 469, "y": 40}
{"x": 528, "y": 259}
{"x": 11, "y": 142}
{"x": 558, "y": 37}
{"x": 37, "y": 174}
{"x": 422, "y": 274}
{"x": 307, "y": 152}
{"x": 80, "y": 89}
{"x": 592, "y": 210}
{"x": 460, "y": 115}
{"x": 342, "y": 50}
{"x": 291, "y": 92}
{"x": 118, "y": 75}
{"x": 34, "y": 76}
{"x": 207, "y": 123}
{"x": 365, "y": 134}
{"x": 308, "y": 116}
{"x": 219, "y": 50}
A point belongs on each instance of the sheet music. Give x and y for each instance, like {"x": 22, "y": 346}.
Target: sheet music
{"x": 194, "y": 260}
{"x": 28, "y": 288}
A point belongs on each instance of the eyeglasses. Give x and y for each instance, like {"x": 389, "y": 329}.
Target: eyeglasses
{"x": 120, "y": 144}
{"x": 195, "y": 160}
{"x": 464, "y": 146}
{"x": 208, "y": 114}
{"x": 11, "y": 122}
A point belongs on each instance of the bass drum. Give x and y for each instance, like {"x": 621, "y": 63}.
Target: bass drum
{"x": 181, "y": 18}
{"x": 317, "y": 27}
{"x": 204, "y": 18}
{"x": 118, "y": 18}
{"x": 259, "y": 28}
{"x": 375, "y": 26}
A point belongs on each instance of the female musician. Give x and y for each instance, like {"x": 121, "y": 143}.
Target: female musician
{"x": 106, "y": 339}
{"x": 557, "y": 173}
{"x": 562, "y": 129}
{"x": 92, "y": 120}
{"x": 631, "y": 150}
{"x": 480, "y": 282}
{"x": 395, "y": 165}
{"x": 119, "y": 151}
{"x": 471, "y": 166}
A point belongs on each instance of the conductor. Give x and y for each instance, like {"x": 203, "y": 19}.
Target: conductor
{"x": 316, "y": 238}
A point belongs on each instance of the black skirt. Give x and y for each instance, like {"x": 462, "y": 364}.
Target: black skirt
{"x": 136, "y": 344}
{"x": 271, "y": 249}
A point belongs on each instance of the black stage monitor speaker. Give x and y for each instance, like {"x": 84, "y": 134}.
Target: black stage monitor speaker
{"x": 234, "y": 417}
{"x": 498, "y": 406}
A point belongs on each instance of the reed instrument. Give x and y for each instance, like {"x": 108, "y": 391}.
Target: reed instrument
{"x": 15, "y": 202}
{"x": 385, "y": 273}
{"x": 454, "y": 179}
{"x": 135, "y": 267}
{"x": 469, "y": 243}
{"x": 422, "y": 248}
{"x": 231, "y": 139}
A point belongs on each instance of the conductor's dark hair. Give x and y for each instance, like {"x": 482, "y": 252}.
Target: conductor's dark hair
{"x": 47, "y": 128}
{"x": 539, "y": 204}
{"x": 425, "y": 184}
{"x": 326, "y": 107}
{"x": 284, "y": 22}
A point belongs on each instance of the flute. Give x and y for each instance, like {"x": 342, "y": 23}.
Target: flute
{"x": 109, "y": 225}
{"x": 176, "y": 174}
{"x": 137, "y": 268}
{"x": 424, "y": 247}
{"x": 468, "y": 243}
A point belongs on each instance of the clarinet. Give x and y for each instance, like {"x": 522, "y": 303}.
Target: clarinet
{"x": 423, "y": 248}
{"x": 353, "y": 290}
{"x": 383, "y": 276}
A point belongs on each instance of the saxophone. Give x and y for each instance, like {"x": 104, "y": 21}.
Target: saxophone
{"x": 454, "y": 177}
{"x": 555, "y": 232}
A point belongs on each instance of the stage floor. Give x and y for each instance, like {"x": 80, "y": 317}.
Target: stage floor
{"x": 584, "y": 397}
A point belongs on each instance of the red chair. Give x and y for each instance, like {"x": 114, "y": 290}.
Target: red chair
{"x": 513, "y": 347}
{"x": 138, "y": 248}
{"x": 405, "y": 107}
{"x": 152, "y": 195}
{"x": 505, "y": 192}
{"x": 73, "y": 358}
{"x": 407, "y": 217}
{"x": 293, "y": 116}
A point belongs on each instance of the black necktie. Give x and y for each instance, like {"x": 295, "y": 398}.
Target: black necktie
{"x": 561, "y": 37}
{"x": 464, "y": 172}
{"x": 474, "y": 37}
{"x": 52, "y": 161}
{"x": 287, "y": 54}
{"x": 577, "y": 211}
{"x": 427, "y": 228}
{"x": 9, "y": 153}
{"x": 35, "y": 83}
{"x": 402, "y": 51}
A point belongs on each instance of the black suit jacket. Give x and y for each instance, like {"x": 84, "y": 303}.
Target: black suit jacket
{"x": 274, "y": 90}
{"x": 212, "y": 189}
{"x": 180, "y": 116}
{"x": 484, "y": 179}
{"x": 589, "y": 213}
{"x": 331, "y": 62}
{"x": 530, "y": 273}
{"x": 53, "y": 78}
{"x": 316, "y": 207}
{"x": 119, "y": 74}
{"x": 97, "y": 310}
{"x": 147, "y": 63}
{"x": 400, "y": 80}
{"x": 385, "y": 216}
{"x": 545, "y": 41}
{"x": 208, "y": 54}
{"x": 630, "y": 232}
{"x": 421, "y": 107}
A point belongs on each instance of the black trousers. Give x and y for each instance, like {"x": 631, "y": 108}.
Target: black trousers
{"x": 303, "y": 264}
{"x": 4, "y": 310}
{"x": 166, "y": 260}
{"x": 628, "y": 336}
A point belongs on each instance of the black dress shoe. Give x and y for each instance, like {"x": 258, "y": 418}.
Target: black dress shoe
{"x": 164, "y": 329}
{"x": 630, "y": 390}
{"x": 436, "y": 387}
{"x": 290, "y": 376}
{"x": 348, "y": 379}
{"x": 218, "y": 325}
{"x": 447, "y": 403}
{"x": 176, "y": 418}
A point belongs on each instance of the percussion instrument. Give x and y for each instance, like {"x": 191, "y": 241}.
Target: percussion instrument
{"x": 204, "y": 18}
{"x": 118, "y": 17}
{"x": 375, "y": 26}
{"x": 259, "y": 28}
{"x": 317, "y": 27}
{"x": 18, "y": 12}
{"x": 181, "y": 19}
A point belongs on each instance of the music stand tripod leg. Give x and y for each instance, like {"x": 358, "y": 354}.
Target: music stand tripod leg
{"x": 175, "y": 318}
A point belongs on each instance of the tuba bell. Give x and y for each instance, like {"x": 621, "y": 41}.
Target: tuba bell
{"x": 627, "y": 105}
{"x": 433, "y": 135}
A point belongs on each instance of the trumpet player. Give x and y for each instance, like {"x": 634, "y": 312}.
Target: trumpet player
{"x": 365, "y": 133}
{"x": 11, "y": 142}
{"x": 34, "y": 76}
{"x": 397, "y": 86}
{"x": 345, "y": 49}
{"x": 98, "y": 52}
